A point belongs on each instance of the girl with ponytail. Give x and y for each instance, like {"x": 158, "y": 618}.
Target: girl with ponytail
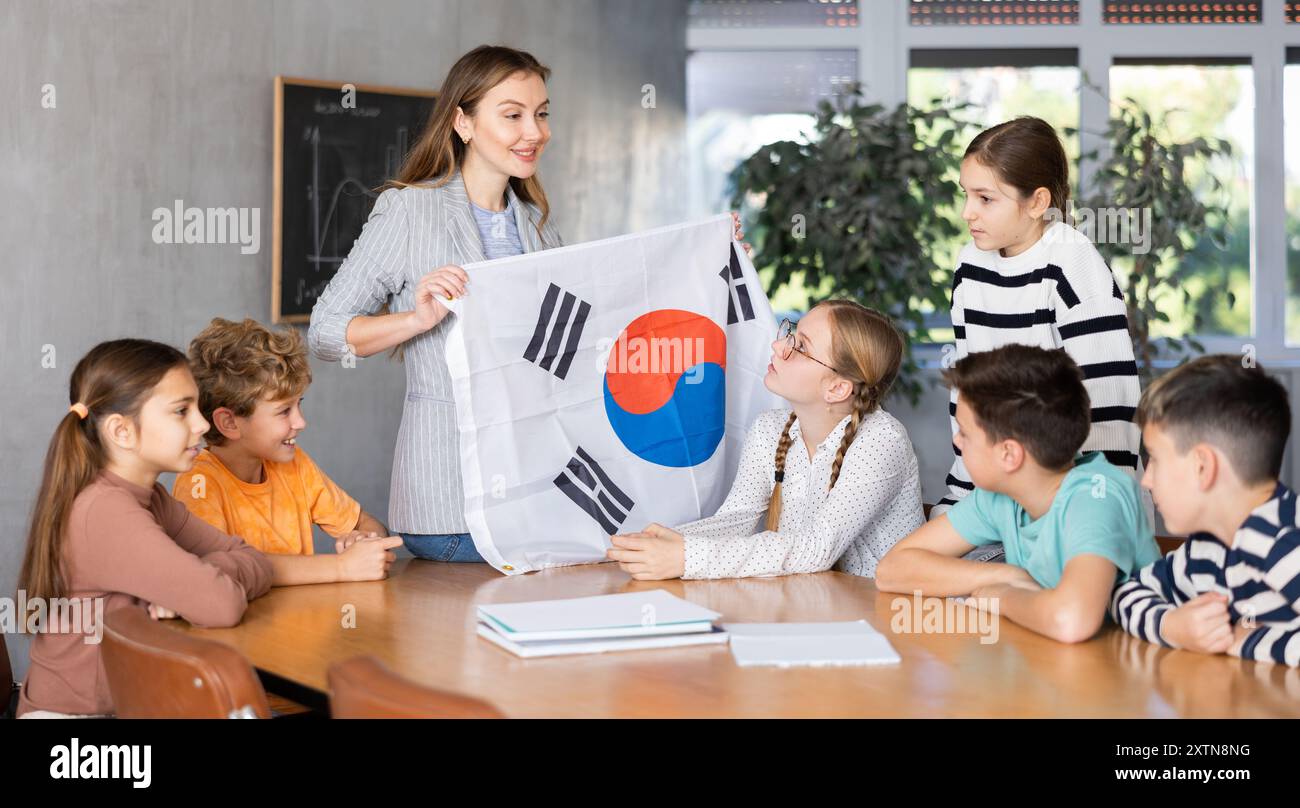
{"x": 832, "y": 481}
{"x": 104, "y": 532}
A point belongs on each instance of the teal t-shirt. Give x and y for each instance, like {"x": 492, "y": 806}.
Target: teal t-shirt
{"x": 1097, "y": 511}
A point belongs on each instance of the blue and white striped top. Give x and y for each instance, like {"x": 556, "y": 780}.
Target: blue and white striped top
{"x": 1259, "y": 573}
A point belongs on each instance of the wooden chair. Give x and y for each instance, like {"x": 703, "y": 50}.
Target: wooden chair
{"x": 6, "y": 680}
{"x": 155, "y": 672}
{"x": 363, "y": 687}
{"x": 1168, "y": 544}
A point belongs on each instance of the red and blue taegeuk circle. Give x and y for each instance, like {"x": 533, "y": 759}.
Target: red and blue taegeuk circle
{"x": 670, "y": 412}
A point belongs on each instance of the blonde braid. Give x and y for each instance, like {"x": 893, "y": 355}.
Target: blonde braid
{"x": 782, "y": 449}
{"x": 864, "y": 404}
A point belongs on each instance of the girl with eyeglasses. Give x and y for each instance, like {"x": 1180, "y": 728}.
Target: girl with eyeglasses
{"x": 829, "y": 481}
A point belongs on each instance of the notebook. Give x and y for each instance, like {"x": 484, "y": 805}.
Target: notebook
{"x": 789, "y": 645}
{"x": 631, "y": 614}
{"x": 547, "y": 648}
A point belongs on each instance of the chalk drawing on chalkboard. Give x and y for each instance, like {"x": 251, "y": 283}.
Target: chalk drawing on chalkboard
{"x": 328, "y": 175}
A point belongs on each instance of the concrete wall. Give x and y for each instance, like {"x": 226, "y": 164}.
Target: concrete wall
{"x": 162, "y": 100}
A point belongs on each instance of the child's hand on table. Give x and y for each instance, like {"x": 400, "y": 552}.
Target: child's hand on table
{"x": 1201, "y": 624}
{"x": 654, "y": 554}
{"x": 352, "y": 537}
{"x": 986, "y": 597}
{"x": 368, "y": 558}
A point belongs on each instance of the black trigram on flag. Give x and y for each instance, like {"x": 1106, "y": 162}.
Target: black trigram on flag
{"x": 551, "y": 336}
{"x": 590, "y": 488}
{"x": 736, "y": 291}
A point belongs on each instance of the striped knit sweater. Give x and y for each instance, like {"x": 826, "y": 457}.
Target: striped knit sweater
{"x": 1057, "y": 294}
{"x": 1259, "y": 573}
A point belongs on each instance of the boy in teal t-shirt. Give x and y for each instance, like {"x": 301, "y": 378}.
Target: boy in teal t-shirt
{"x": 1073, "y": 527}
{"x": 1098, "y": 510}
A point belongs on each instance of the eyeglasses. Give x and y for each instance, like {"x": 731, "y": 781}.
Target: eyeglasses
{"x": 786, "y": 334}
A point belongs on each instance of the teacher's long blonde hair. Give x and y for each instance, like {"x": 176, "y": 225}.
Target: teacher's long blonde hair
{"x": 439, "y": 153}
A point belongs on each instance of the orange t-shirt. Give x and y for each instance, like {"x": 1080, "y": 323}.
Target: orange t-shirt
{"x": 275, "y": 515}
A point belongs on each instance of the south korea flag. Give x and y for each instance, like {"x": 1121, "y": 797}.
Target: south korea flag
{"x": 603, "y": 386}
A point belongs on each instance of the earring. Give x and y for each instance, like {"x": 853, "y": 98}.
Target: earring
{"x": 465, "y": 139}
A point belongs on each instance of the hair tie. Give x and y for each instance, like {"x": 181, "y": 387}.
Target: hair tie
{"x": 80, "y": 409}
{"x": 780, "y": 476}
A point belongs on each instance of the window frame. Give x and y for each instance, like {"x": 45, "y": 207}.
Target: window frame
{"x": 885, "y": 41}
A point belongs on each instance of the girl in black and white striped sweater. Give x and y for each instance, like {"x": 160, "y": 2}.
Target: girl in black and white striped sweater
{"x": 1027, "y": 277}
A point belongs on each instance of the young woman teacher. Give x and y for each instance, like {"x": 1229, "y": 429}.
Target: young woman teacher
{"x": 467, "y": 192}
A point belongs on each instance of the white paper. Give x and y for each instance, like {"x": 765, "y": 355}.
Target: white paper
{"x": 788, "y": 645}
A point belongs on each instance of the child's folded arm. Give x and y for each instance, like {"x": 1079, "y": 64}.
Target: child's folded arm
{"x": 294, "y": 570}
{"x": 1140, "y": 604}
{"x": 129, "y": 552}
{"x": 245, "y": 563}
{"x": 1070, "y": 612}
{"x": 1140, "y": 610}
{"x": 1270, "y": 644}
{"x": 930, "y": 560}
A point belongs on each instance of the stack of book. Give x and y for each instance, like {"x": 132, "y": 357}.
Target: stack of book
{"x": 633, "y": 620}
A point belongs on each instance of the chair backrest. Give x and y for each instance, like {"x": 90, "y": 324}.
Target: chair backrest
{"x": 6, "y": 677}
{"x": 157, "y": 672}
{"x": 362, "y": 687}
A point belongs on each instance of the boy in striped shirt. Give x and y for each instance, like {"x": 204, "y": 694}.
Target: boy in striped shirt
{"x": 1215, "y": 431}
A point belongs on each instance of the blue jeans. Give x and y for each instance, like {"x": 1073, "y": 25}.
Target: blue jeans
{"x": 441, "y": 546}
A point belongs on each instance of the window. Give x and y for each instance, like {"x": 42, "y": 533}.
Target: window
{"x": 993, "y": 12}
{"x": 1199, "y": 62}
{"x": 1145, "y": 12}
{"x": 739, "y": 101}
{"x": 1291, "y": 111}
{"x": 1213, "y": 99}
{"x": 770, "y": 13}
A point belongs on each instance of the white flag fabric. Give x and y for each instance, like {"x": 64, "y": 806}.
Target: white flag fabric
{"x": 603, "y": 386}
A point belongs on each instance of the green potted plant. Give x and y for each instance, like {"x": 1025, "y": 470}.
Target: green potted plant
{"x": 854, "y": 211}
{"x": 1145, "y": 169}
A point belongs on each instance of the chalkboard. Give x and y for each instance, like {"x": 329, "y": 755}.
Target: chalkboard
{"x": 335, "y": 143}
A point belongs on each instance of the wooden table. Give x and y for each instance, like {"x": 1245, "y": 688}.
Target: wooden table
{"x": 420, "y": 622}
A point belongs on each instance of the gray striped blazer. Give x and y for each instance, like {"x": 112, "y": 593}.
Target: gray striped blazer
{"x": 411, "y": 232}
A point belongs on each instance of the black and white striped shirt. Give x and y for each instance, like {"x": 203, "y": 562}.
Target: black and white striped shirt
{"x": 1259, "y": 573}
{"x": 1057, "y": 294}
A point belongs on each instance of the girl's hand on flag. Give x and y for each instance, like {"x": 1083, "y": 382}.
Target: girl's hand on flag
{"x": 654, "y": 554}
